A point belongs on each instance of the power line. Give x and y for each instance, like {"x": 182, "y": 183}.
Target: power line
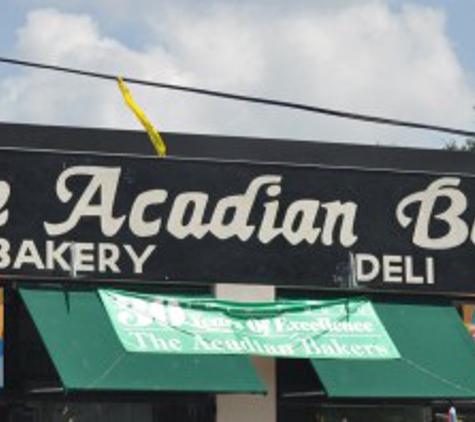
{"x": 244, "y": 98}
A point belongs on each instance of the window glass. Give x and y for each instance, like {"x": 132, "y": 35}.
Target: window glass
{"x": 114, "y": 412}
{"x": 313, "y": 413}
{"x": 90, "y": 412}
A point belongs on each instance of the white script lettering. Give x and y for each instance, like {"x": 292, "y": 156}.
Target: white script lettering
{"x": 192, "y": 214}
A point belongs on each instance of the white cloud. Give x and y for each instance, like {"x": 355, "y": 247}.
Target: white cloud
{"x": 356, "y": 55}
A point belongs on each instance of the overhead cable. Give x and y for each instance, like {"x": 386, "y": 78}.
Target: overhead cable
{"x": 245, "y": 98}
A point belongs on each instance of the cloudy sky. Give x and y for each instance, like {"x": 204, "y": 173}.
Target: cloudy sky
{"x": 410, "y": 60}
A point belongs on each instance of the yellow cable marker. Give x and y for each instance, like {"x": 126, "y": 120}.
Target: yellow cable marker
{"x": 153, "y": 133}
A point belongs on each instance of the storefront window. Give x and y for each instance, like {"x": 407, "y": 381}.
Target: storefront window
{"x": 315, "y": 413}
{"x": 380, "y": 414}
{"x": 112, "y": 412}
{"x": 107, "y": 412}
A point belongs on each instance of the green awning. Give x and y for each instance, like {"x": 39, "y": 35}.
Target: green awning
{"x": 437, "y": 358}
{"x": 87, "y": 354}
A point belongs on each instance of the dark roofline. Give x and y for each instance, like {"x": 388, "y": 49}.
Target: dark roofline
{"x": 237, "y": 148}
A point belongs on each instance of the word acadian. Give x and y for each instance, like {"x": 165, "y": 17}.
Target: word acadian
{"x": 73, "y": 257}
{"x": 230, "y": 217}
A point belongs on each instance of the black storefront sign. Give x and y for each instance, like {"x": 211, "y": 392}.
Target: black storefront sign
{"x": 112, "y": 218}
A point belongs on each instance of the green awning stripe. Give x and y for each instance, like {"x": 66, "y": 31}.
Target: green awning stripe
{"x": 87, "y": 354}
{"x": 439, "y": 378}
{"x": 437, "y": 357}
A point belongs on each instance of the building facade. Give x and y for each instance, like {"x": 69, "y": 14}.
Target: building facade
{"x": 261, "y": 229}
